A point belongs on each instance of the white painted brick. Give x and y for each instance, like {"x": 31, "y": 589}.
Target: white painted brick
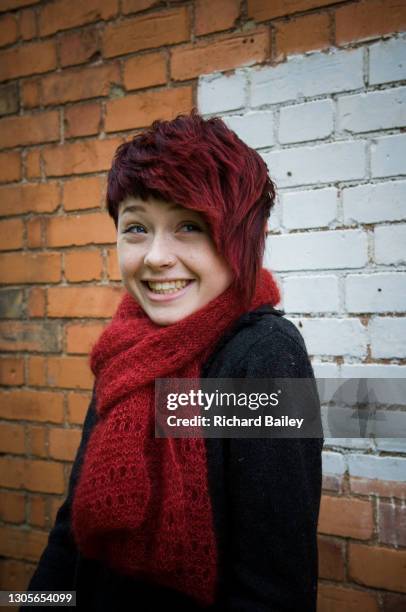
{"x": 310, "y": 294}
{"x": 317, "y": 250}
{"x": 388, "y": 337}
{"x": 325, "y": 369}
{"x": 376, "y": 467}
{"x": 308, "y": 121}
{"x": 217, "y": 93}
{"x": 388, "y": 155}
{"x": 274, "y": 219}
{"x": 391, "y": 425}
{"x": 387, "y": 61}
{"x": 310, "y": 208}
{"x": 335, "y": 337}
{"x": 375, "y": 292}
{"x": 374, "y": 203}
{"x": 256, "y": 128}
{"x": 373, "y": 370}
{"x": 392, "y": 445}
{"x": 336, "y": 161}
{"x": 306, "y": 76}
{"x": 333, "y": 463}
{"x": 390, "y": 244}
{"x": 377, "y": 110}
{"x": 352, "y": 443}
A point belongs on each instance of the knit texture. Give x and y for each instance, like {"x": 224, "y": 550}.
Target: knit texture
{"x": 142, "y": 504}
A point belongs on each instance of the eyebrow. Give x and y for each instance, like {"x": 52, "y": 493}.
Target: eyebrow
{"x": 139, "y": 208}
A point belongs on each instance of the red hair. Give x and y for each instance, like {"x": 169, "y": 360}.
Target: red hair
{"x": 202, "y": 165}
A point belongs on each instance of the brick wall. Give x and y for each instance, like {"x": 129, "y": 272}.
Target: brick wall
{"x": 318, "y": 87}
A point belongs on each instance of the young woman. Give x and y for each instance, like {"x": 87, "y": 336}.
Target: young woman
{"x": 188, "y": 524}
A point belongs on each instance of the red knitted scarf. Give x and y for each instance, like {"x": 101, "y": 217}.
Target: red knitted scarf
{"x": 142, "y": 504}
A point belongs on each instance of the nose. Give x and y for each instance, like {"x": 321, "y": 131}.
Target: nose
{"x": 159, "y": 253}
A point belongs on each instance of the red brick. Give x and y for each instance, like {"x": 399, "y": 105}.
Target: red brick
{"x": 36, "y": 302}
{"x": 145, "y": 71}
{"x": 28, "y": 27}
{"x": 79, "y": 84}
{"x": 11, "y": 232}
{"x": 61, "y": 15}
{"x": 30, "y": 197}
{"x": 37, "y": 440}
{"x": 369, "y": 19}
{"x": 394, "y": 602}
{"x": 348, "y": 517}
{"x": 15, "y": 575}
{"x": 36, "y": 371}
{"x": 146, "y": 32}
{"x": 21, "y": 543}
{"x": 32, "y": 405}
{"x": 140, "y": 110}
{"x": 18, "y": 268}
{"x": 8, "y": 30}
{"x": 80, "y": 157}
{"x": 69, "y": 373}
{"x": 77, "y": 230}
{"x": 64, "y": 443}
{"x": 82, "y": 193}
{"x": 308, "y": 33}
{"x": 34, "y": 233}
{"x": 378, "y": 567}
{"x": 213, "y": 17}
{"x": 81, "y": 338}
{"x": 6, "y": 5}
{"x": 33, "y": 475}
{"x": 79, "y": 47}
{"x": 31, "y": 58}
{"x": 189, "y": 61}
{"x": 78, "y": 404}
{"x": 29, "y": 129}
{"x": 134, "y": 6}
{"x": 30, "y": 336}
{"x": 55, "y": 503}
{"x": 261, "y": 10}
{"x": 392, "y": 523}
{"x": 10, "y": 167}
{"x": 383, "y": 488}
{"x": 12, "y": 438}
{"x": 37, "y": 511}
{"x": 11, "y": 371}
{"x": 12, "y": 507}
{"x": 113, "y": 269}
{"x": 331, "y": 558}
{"x": 336, "y": 599}
{"x": 83, "y": 301}
{"x": 83, "y": 266}
{"x": 12, "y": 304}
{"x": 31, "y": 93}
{"x": 82, "y": 120}
{"x": 9, "y": 99}
{"x": 33, "y": 164}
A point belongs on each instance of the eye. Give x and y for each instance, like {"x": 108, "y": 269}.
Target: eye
{"x": 138, "y": 228}
{"x": 191, "y": 227}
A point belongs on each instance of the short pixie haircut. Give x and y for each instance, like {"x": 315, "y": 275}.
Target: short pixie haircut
{"x": 202, "y": 165}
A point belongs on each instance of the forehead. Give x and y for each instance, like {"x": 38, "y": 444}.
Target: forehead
{"x": 131, "y": 204}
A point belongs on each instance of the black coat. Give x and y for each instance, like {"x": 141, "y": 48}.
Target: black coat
{"x": 265, "y": 497}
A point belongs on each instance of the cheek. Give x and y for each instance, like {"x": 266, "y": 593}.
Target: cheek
{"x": 128, "y": 259}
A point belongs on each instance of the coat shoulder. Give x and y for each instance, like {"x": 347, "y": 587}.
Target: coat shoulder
{"x": 258, "y": 333}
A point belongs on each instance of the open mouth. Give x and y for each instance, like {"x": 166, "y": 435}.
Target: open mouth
{"x": 167, "y": 288}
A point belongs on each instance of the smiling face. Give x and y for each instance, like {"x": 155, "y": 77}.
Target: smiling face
{"x": 168, "y": 260}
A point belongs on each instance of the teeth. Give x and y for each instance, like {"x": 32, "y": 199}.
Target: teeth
{"x": 168, "y": 287}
